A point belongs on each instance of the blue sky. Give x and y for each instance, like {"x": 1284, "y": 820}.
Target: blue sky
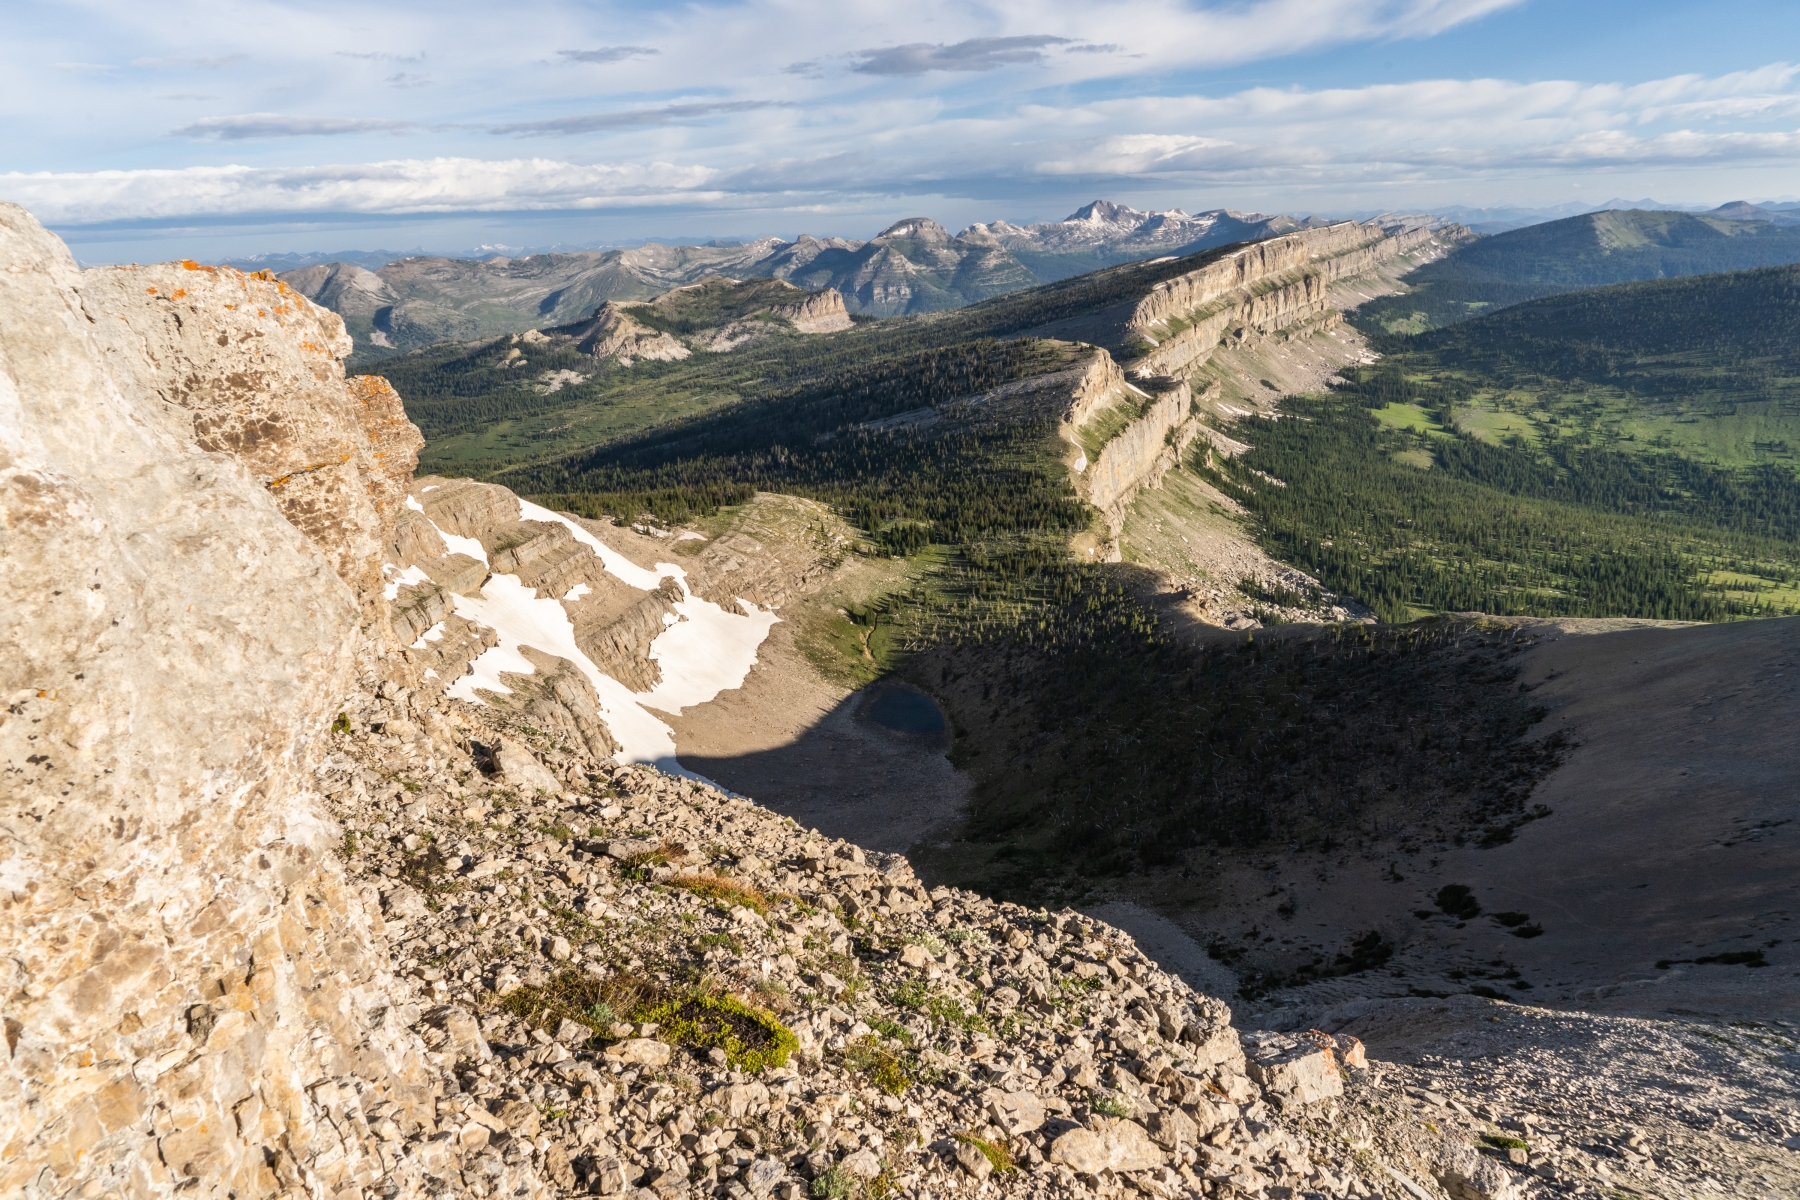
{"x": 218, "y": 128}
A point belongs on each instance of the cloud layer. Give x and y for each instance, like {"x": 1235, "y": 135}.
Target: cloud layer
{"x": 797, "y": 105}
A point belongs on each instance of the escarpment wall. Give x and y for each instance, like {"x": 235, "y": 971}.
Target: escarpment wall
{"x": 1276, "y": 289}
{"x": 1259, "y": 290}
{"x": 196, "y": 1001}
{"x": 1185, "y": 293}
{"x": 1140, "y": 455}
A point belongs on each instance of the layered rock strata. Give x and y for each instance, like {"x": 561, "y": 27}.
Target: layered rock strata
{"x": 1130, "y": 432}
{"x": 1263, "y": 288}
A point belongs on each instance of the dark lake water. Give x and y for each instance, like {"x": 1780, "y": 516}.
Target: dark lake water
{"x": 903, "y": 710}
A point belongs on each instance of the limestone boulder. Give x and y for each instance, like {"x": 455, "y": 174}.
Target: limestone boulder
{"x": 1292, "y": 1068}
{"x": 520, "y": 768}
{"x": 1123, "y": 1146}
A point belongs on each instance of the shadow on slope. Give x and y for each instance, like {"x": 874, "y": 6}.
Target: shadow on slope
{"x": 872, "y": 770}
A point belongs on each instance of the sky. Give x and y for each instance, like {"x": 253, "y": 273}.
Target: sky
{"x": 207, "y": 128}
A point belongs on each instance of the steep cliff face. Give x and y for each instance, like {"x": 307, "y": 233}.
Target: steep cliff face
{"x": 1254, "y": 263}
{"x": 1131, "y": 435}
{"x": 1260, "y": 290}
{"x": 254, "y": 370}
{"x": 1141, "y": 453}
{"x": 821, "y": 312}
{"x": 196, "y": 1001}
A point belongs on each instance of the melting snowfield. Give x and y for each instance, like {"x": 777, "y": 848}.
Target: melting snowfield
{"x": 704, "y": 649}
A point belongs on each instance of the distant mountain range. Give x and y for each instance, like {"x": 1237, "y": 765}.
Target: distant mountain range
{"x": 1505, "y": 219}
{"x": 913, "y": 266}
{"x": 1587, "y": 251}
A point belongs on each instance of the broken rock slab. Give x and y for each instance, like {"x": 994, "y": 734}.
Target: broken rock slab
{"x": 1125, "y": 1146}
{"x": 521, "y": 769}
{"x": 1015, "y": 1112}
{"x": 1292, "y": 1068}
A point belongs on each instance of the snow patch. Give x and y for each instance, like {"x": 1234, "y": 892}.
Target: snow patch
{"x": 706, "y": 652}
{"x": 1081, "y": 462}
{"x": 430, "y": 635}
{"x": 616, "y": 564}
{"x": 411, "y": 577}
{"x": 452, "y": 542}
{"x": 703, "y": 649}
{"x": 688, "y": 535}
{"x": 521, "y": 618}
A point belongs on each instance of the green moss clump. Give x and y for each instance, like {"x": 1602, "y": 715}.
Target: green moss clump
{"x": 751, "y": 1038}
{"x": 1501, "y": 1142}
{"x": 998, "y": 1156}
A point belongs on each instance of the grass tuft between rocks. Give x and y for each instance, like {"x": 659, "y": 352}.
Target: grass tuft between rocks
{"x": 723, "y": 889}
{"x": 750, "y": 1037}
{"x": 999, "y": 1157}
{"x": 880, "y": 1064}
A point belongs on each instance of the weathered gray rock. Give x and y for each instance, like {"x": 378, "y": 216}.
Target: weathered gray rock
{"x": 971, "y": 1159}
{"x": 643, "y": 1052}
{"x": 520, "y": 769}
{"x": 1465, "y": 1173}
{"x": 1015, "y": 1112}
{"x": 1123, "y": 1146}
{"x": 1292, "y": 1068}
{"x": 863, "y": 1164}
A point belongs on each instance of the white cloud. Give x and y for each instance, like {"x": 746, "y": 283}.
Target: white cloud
{"x": 606, "y": 54}
{"x": 707, "y": 105}
{"x": 435, "y": 185}
{"x": 205, "y": 64}
{"x": 668, "y": 114}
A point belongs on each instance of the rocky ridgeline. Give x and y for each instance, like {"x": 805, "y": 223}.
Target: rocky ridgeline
{"x": 636, "y": 983}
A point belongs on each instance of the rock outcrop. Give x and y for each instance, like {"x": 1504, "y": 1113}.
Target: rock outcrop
{"x": 255, "y": 371}
{"x": 715, "y": 315}
{"x": 1259, "y": 290}
{"x": 613, "y": 333}
{"x": 196, "y": 998}
{"x": 1130, "y": 431}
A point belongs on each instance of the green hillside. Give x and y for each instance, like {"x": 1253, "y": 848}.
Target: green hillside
{"x": 1592, "y": 250}
{"x": 1622, "y": 451}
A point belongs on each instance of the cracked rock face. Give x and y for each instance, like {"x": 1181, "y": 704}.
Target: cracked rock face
{"x": 194, "y": 996}
{"x": 255, "y": 371}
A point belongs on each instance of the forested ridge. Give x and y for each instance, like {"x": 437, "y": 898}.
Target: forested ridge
{"x": 1587, "y": 251}
{"x": 1614, "y": 452}
{"x": 484, "y": 411}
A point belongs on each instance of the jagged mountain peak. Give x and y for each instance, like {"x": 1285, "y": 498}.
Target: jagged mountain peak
{"x": 916, "y": 227}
